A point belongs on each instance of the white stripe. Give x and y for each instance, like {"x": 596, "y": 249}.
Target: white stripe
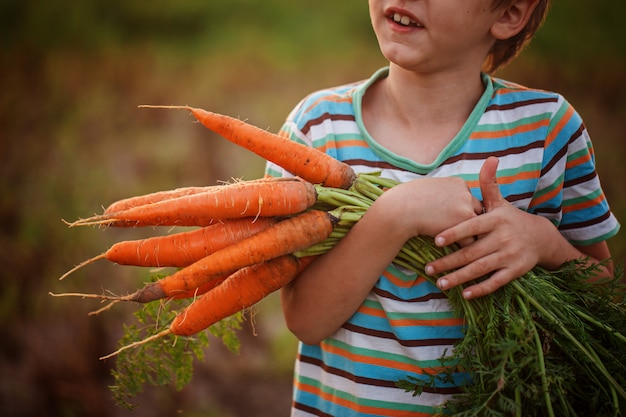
{"x": 395, "y": 395}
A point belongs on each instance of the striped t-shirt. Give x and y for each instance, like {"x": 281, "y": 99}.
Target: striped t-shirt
{"x": 406, "y": 325}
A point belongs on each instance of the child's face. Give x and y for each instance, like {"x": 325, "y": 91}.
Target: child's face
{"x": 434, "y": 35}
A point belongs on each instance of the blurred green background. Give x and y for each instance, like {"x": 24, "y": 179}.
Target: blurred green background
{"x": 72, "y": 140}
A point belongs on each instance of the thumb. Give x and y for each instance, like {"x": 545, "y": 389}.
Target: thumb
{"x": 492, "y": 197}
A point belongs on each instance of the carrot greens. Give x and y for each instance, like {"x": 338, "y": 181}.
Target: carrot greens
{"x": 168, "y": 361}
{"x": 550, "y": 343}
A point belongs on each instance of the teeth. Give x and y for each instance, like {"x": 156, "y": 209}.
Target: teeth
{"x": 403, "y": 20}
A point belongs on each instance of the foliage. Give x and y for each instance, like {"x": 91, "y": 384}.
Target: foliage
{"x": 531, "y": 344}
{"x": 167, "y": 360}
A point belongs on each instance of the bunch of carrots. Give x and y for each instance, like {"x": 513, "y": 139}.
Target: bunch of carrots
{"x": 251, "y": 238}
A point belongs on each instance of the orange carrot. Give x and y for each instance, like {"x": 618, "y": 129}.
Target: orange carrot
{"x": 306, "y": 162}
{"x": 237, "y": 292}
{"x": 285, "y": 237}
{"x": 181, "y": 249}
{"x": 155, "y": 197}
{"x": 202, "y": 289}
{"x": 273, "y": 197}
{"x": 142, "y": 200}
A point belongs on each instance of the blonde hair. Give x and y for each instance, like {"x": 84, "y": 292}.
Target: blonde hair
{"x": 503, "y": 51}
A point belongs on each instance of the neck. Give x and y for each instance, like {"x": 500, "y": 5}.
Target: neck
{"x": 431, "y": 98}
{"x": 416, "y": 115}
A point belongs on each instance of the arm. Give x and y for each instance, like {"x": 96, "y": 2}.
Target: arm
{"x": 511, "y": 242}
{"x": 333, "y": 287}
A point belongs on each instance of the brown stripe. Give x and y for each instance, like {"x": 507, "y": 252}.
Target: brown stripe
{"x": 585, "y": 178}
{"x": 590, "y": 222}
{"x": 371, "y": 381}
{"x": 484, "y": 155}
{"x": 563, "y": 151}
{"x": 373, "y": 164}
{"x": 548, "y": 210}
{"x": 427, "y": 297}
{"x": 310, "y": 410}
{"x": 324, "y": 117}
{"x": 518, "y": 104}
{"x": 390, "y": 336}
{"x": 517, "y": 197}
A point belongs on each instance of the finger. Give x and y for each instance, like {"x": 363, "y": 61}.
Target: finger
{"x": 478, "y": 207}
{"x": 467, "y": 241}
{"x": 489, "y": 184}
{"x": 462, "y": 233}
{"x": 490, "y": 285}
{"x": 461, "y": 266}
{"x": 453, "y": 262}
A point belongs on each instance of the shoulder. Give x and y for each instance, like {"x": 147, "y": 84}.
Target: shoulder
{"x": 338, "y": 102}
{"x": 328, "y": 101}
{"x": 519, "y": 104}
{"x": 509, "y": 95}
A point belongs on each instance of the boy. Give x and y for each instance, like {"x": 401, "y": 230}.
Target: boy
{"x": 435, "y": 121}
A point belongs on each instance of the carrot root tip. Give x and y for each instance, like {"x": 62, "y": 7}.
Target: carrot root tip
{"x": 96, "y": 296}
{"x": 105, "y": 308}
{"x": 164, "y": 106}
{"x": 138, "y": 343}
{"x": 91, "y": 221}
{"x": 82, "y": 264}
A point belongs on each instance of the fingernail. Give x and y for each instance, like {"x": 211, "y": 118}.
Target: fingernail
{"x": 440, "y": 241}
{"x": 467, "y": 294}
{"x": 442, "y": 283}
{"x": 429, "y": 270}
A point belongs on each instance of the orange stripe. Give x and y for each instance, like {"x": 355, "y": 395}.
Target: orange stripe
{"x": 339, "y": 145}
{"x": 557, "y": 129}
{"x": 351, "y": 143}
{"x": 399, "y": 282}
{"x": 509, "y": 179}
{"x": 382, "y": 362}
{"x": 583, "y": 159}
{"x": 452, "y": 321}
{"x": 583, "y": 205}
{"x": 546, "y": 197}
{"x": 355, "y": 407}
{"x": 385, "y": 363}
{"x": 329, "y": 98}
{"x": 514, "y": 88}
{"x": 376, "y": 312}
{"x": 371, "y": 311}
{"x": 509, "y": 132}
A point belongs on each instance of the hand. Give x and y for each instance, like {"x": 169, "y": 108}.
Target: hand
{"x": 427, "y": 206}
{"x": 510, "y": 242}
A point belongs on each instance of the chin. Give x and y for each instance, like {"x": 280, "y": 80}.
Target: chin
{"x": 399, "y": 54}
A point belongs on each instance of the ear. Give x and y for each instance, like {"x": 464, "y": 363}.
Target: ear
{"x": 513, "y": 19}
